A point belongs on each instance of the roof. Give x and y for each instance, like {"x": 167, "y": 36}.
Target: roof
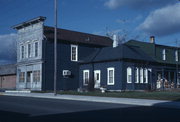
{"x": 121, "y": 52}
{"x": 77, "y": 37}
{"x": 8, "y": 69}
{"x": 29, "y": 22}
{"x": 155, "y": 51}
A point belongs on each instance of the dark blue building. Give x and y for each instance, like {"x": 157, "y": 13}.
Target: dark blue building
{"x": 35, "y": 55}
{"x": 120, "y": 68}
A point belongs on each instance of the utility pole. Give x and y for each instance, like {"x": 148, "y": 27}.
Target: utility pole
{"x": 177, "y": 63}
{"x": 55, "y": 48}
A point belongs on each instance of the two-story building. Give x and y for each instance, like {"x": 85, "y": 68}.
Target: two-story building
{"x": 35, "y": 55}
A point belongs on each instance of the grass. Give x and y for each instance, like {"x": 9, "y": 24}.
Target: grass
{"x": 157, "y": 95}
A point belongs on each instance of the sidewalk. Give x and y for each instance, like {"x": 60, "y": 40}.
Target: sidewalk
{"x": 130, "y": 101}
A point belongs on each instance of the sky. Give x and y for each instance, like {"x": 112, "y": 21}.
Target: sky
{"x": 130, "y": 19}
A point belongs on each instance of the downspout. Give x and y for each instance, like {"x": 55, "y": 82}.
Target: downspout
{"x": 44, "y": 61}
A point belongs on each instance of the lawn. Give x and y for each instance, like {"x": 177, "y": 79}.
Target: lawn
{"x": 158, "y": 95}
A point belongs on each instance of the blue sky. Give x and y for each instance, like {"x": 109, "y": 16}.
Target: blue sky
{"x": 135, "y": 19}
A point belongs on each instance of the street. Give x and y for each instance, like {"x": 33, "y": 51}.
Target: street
{"x": 40, "y": 109}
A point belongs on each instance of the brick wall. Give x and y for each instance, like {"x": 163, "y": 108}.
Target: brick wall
{"x": 8, "y": 82}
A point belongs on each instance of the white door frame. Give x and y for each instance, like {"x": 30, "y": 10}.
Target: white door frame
{"x": 97, "y": 82}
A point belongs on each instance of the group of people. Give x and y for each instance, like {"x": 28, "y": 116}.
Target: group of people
{"x": 163, "y": 83}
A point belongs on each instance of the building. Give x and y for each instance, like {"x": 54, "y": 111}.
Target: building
{"x": 133, "y": 65}
{"x": 167, "y": 62}
{"x": 7, "y": 77}
{"x": 120, "y": 68}
{"x": 35, "y": 55}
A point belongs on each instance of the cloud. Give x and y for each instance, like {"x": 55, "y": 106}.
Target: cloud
{"x": 8, "y": 48}
{"x": 137, "y": 4}
{"x": 164, "y": 21}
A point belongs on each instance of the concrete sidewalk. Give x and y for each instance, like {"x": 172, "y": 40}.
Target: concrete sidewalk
{"x": 130, "y": 101}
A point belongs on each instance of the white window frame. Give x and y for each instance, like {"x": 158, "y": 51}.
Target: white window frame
{"x": 176, "y": 56}
{"x": 141, "y": 75}
{"x": 164, "y": 54}
{"x": 76, "y": 58}
{"x": 35, "y": 48}
{"x": 137, "y": 75}
{"x": 22, "y": 54}
{"x": 84, "y": 78}
{"x": 29, "y": 53}
{"x": 146, "y": 75}
{"x": 129, "y": 73}
{"x": 108, "y": 81}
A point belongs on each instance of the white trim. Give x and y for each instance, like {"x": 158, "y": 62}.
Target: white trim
{"x": 141, "y": 75}
{"x": 35, "y": 48}
{"x": 85, "y": 71}
{"x": 176, "y": 56}
{"x": 97, "y": 71}
{"x": 146, "y": 75}
{"x": 108, "y": 69}
{"x": 129, "y": 73}
{"x": 137, "y": 77}
{"x": 164, "y": 54}
{"x": 76, "y": 58}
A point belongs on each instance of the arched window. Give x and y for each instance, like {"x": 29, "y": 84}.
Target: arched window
{"x": 129, "y": 75}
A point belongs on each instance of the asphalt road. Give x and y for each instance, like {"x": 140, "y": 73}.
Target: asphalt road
{"x": 37, "y": 109}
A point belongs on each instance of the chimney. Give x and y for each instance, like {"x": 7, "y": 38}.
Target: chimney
{"x": 152, "y": 39}
{"x": 115, "y": 41}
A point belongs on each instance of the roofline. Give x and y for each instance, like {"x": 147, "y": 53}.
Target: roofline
{"x": 78, "y": 32}
{"x": 29, "y": 22}
{"x": 156, "y": 44}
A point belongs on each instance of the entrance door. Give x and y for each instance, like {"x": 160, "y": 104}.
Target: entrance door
{"x": 97, "y": 78}
{"x": 29, "y": 79}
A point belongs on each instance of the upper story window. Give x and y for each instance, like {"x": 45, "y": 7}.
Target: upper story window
{"x": 176, "y": 56}
{"x": 29, "y": 50}
{"x": 74, "y": 53}
{"x": 110, "y": 76}
{"x": 22, "y": 52}
{"x": 164, "y": 54}
{"x": 129, "y": 75}
{"x": 36, "y": 48}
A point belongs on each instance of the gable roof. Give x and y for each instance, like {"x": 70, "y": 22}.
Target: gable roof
{"x": 121, "y": 52}
{"x": 77, "y": 37}
{"x": 9, "y": 69}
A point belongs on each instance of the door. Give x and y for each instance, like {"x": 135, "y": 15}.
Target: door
{"x": 29, "y": 79}
{"x": 97, "y": 78}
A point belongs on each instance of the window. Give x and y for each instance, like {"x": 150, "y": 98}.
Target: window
{"x": 145, "y": 75}
{"x": 164, "y": 54}
{"x": 141, "y": 75}
{"x": 85, "y": 77}
{"x": 22, "y": 52}
{"x": 136, "y": 75}
{"x": 110, "y": 76}
{"x": 176, "y": 56}
{"x": 22, "y": 77}
{"x": 129, "y": 75}
{"x": 74, "y": 53}
{"x": 36, "y": 76}
{"x": 36, "y": 48}
{"x": 29, "y": 50}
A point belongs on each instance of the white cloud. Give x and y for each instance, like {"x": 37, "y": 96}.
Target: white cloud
{"x": 137, "y": 4}
{"x": 8, "y": 48}
{"x": 164, "y": 21}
